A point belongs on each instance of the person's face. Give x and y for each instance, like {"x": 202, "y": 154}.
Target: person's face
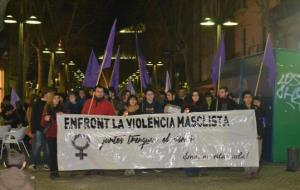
{"x": 247, "y": 99}
{"x": 149, "y": 96}
{"x": 222, "y": 93}
{"x": 48, "y": 96}
{"x": 99, "y": 92}
{"x": 170, "y": 96}
{"x": 208, "y": 99}
{"x": 126, "y": 96}
{"x": 72, "y": 98}
{"x": 181, "y": 93}
{"x": 257, "y": 103}
{"x": 112, "y": 95}
{"x": 81, "y": 94}
{"x": 56, "y": 100}
{"x": 195, "y": 97}
{"x": 132, "y": 102}
{"x": 162, "y": 96}
{"x": 91, "y": 92}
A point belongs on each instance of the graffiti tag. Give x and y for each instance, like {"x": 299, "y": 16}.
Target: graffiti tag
{"x": 289, "y": 89}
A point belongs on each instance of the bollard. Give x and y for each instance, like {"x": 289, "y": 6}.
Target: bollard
{"x": 293, "y": 159}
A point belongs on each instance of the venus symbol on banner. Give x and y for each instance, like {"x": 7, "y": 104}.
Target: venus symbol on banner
{"x": 87, "y": 139}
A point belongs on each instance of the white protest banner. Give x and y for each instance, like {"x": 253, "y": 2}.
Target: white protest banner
{"x": 206, "y": 139}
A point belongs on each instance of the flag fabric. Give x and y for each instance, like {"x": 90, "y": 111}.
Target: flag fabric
{"x": 220, "y": 56}
{"x": 168, "y": 82}
{"x": 269, "y": 61}
{"x": 51, "y": 68}
{"x": 92, "y": 72}
{"x": 14, "y": 98}
{"x": 130, "y": 88}
{"x": 144, "y": 76}
{"x": 116, "y": 72}
{"x": 109, "y": 47}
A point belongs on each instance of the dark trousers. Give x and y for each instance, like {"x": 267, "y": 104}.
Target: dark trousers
{"x": 52, "y": 144}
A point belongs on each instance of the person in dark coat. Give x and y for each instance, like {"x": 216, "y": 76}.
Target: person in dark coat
{"x": 132, "y": 108}
{"x": 37, "y": 130}
{"x": 149, "y": 105}
{"x": 248, "y": 104}
{"x": 72, "y": 106}
{"x": 224, "y": 102}
{"x": 194, "y": 105}
{"x": 171, "y": 102}
{"x": 209, "y": 103}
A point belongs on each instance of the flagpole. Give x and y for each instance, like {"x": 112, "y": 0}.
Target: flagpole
{"x": 112, "y": 74}
{"x": 219, "y": 30}
{"x": 261, "y": 68}
{"x": 219, "y": 81}
{"x": 105, "y": 81}
{"x": 139, "y": 64}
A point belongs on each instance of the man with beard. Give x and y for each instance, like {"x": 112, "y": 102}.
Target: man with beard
{"x": 98, "y": 105}
{"x": 224, "y": 102}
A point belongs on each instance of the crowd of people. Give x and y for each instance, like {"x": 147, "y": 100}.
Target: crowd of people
{"x": 39, "y": 113}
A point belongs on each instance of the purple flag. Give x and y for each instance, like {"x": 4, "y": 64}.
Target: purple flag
{"x": 130, "y": 88}
{"x": 220, "y": 56}
{"x": 92, "y": 72}
{"x": 109, "y": 47}
{"x": 168, "y": 82}
{"x": 116, "y": 72}
{"x": 145, "y": 79}
{"x": 14, "y": 98}
{"x": 269, "y": 61}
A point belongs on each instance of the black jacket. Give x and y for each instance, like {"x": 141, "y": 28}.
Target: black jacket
{"x": 227, "y": 104}
{"x": 73, "y": 108}
{"x": 154, "y": 107}
{"x": 195, "y": 107}
{"x": 37, "y": 111}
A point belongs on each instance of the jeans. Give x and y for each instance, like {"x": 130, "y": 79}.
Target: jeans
{"x": 38, "y": 142}
{"x": 52, "y": 143}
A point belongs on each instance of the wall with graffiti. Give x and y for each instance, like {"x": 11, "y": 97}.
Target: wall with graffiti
{"x": 286, "y": 129}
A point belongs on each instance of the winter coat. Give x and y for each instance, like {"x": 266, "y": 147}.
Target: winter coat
{"x": 101, "y": 107}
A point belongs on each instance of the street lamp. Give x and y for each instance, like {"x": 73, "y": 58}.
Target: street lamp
{"x": 33, "y": 20}
{"x": 209, "y": 22}
{"x": 71, "y": 63}
{"x": 59, "y": 50}
{"x": 155, "y": 65}
{"x": 9, "y": 19}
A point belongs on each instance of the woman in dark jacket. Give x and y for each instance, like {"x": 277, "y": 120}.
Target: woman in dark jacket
{"x": 194, "y": 105}
{"x": 49, "y": 124}
{"x": 132, "y": 108}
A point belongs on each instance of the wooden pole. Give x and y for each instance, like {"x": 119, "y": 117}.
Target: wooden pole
{"x": 112, "y": 73}
{"x": 105, "y": 81}
{"x": 219, "y": 30}
{"x": 101, "y": 68}
{"x": 261, "y": 68}
{"x": 219, "y": 81}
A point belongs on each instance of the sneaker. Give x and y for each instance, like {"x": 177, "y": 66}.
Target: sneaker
{"x": 32, "y": 167}
{"x": 145, "y": 171}
{"x": 54, "y": 176}
{"x": 129, "y": 172}
{"x": 46, "y": 167}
